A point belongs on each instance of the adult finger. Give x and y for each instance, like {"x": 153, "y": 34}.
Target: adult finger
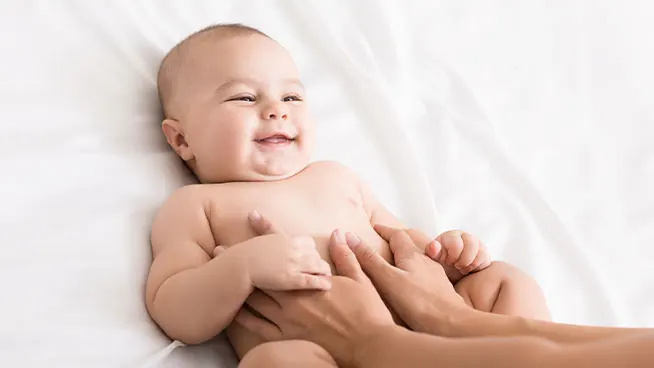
{"x": 344, "y": 260}
{"x": 372, "y": 263}
{"x": 403, "y": 248}
{"x": 385, "y": 231}
{"x": 218, "y": 250}
{"x": 419, "y": 238}
{"x": 261, "y": 225}
{"x": 259, "y": 326}
{"x": 265, "y": 305}
{"x": 403, "y": 243}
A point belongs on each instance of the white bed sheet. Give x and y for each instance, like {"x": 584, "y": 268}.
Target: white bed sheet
{"x": 529, "y": 124}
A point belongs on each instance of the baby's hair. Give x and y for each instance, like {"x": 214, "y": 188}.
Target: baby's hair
{"x": 167, "y": 76}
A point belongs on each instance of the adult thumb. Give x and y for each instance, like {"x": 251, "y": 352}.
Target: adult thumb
{"x": 218, "y": 250}
{"x": 404, "y": 249}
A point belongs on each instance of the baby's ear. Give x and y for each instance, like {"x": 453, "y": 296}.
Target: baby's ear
{"x": 174, "y": 133}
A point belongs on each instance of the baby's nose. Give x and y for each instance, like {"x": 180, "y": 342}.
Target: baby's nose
{"x": 277, "y": 115}
{"x": 274, "y": 116}
{"x": 275, "y": 111}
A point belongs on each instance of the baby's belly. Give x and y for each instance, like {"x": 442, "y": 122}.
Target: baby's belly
{"x": 243, "y": 340}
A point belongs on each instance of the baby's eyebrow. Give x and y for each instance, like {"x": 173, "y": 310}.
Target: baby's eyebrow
{"x": 294, "y": 81}
{"x": 251, "y": 82}
{"x": 231, "y": 82}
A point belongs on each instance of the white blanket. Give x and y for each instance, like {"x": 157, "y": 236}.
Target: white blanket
{"x": 527, "y": 123}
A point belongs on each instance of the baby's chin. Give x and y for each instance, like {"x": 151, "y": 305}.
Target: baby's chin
{"x": 277, "y": 170}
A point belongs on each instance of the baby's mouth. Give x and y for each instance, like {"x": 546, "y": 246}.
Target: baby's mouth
{"x": 276, "y": 139}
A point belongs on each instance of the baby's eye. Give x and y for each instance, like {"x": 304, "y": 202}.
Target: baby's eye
{"x": 246, "y": 98}
{"x": 292, "y": 98}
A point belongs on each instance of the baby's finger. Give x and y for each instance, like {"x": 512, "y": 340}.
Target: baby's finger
{"x": 486, "y": 261}
{"x": 472, "y": 266}
{"x": 261, "y": 225}
{"x": 444, "y": 254}
{"x": 305, "y": 281}
{"x": 469, "y": 253}
{"x": 316, "y": 267}
{"x": 454, "y": 245}
{"x": 478, "y": 264}
{"x": 486, "y": 258}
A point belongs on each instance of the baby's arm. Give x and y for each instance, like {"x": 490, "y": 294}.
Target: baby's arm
{"x": 191, "y": 296}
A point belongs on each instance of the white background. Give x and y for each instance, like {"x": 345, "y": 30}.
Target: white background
{"x": 528, "y": 123}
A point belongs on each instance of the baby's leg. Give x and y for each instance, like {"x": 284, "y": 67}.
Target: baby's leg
{"x": 291, "y": 353}
{"x": 504, "y": 289}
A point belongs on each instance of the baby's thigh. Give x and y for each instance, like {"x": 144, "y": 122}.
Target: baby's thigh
{"x": 291, "y": 353}
{"x": 504, "y": 289}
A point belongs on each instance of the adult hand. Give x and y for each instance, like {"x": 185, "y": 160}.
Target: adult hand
{"x": 350, "y": 311}
{"x": 416, "y": 288}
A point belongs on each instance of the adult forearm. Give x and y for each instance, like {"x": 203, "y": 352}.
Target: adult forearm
{"x": 403, "y": 348}
{"x": 195, "y": 305}
{"x": 486, "y": 324}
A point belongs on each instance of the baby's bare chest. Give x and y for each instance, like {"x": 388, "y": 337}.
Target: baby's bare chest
{"x": 295, "y": 209}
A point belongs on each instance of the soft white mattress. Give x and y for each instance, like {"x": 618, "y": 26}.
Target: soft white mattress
{"x": 528, "y": 123}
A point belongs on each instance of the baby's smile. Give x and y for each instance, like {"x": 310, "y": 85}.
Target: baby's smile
{"x": 275, "y": 140}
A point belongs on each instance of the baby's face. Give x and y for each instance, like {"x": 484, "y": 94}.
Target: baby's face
{"x": 244, "y": 116}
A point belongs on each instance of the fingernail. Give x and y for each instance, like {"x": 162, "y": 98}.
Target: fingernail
{"x": 338, "y": 236}
{"x": 432, "y": 249}
{"x": 255, "y": 216}
{"x": 352, "y": 240}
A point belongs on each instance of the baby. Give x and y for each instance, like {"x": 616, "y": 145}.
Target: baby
{"x": 236, "y": 114}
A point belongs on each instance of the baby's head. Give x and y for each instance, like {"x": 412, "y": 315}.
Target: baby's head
{"x": 234, "y": 106}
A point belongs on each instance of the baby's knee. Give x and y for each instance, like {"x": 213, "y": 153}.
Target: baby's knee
{"x": 504, "y": 289}
{"x": 482, "y": 288}
{"x": 502, "y": 271}
{"x": 292, "y": 353}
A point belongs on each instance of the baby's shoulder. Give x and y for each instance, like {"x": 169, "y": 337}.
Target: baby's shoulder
{"x": 191, "y": 194}
{"x": 191, "y": 199}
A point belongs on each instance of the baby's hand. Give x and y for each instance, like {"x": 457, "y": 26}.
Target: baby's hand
{"x": 460, "y": 250}
{"x": 276, "y": 261}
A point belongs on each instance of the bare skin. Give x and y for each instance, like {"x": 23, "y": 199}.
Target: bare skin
{"x": 504, "y": 290}
{"x": 237, "y": 116}
{"x": 360, "y": 333}
{"x": 198, "y": 218}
